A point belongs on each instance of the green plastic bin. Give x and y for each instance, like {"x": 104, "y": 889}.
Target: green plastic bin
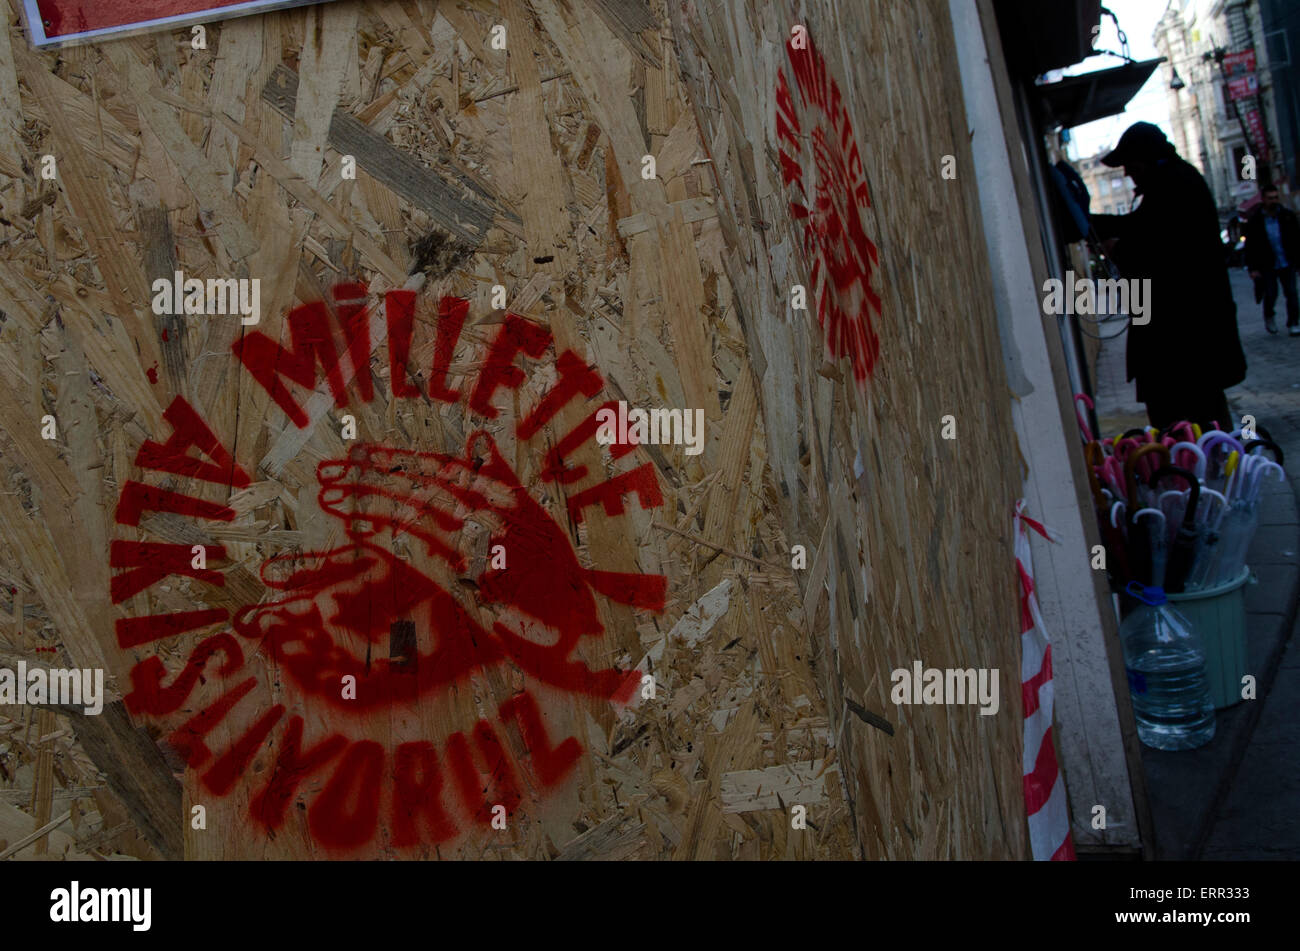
{"x": 1218, "y": 615}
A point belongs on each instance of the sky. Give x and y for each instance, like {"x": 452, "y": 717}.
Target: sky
{"x": 1138, "y": 19}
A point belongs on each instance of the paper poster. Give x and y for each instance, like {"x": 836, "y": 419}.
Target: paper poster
{"x": 54, "y": 22}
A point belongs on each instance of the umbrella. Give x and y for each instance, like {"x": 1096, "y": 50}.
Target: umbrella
{"x": 1155, "y": 541}
{"x": 1180, "y": 447}
{"x": 1243, "y": 517}
{"x": 1139, "y": 540}
{"x": 1249, "y": 448}
{"x": 1183, "y": 552}
{"x": 1116, "y": 543}
{"x": 1193, "y": 536}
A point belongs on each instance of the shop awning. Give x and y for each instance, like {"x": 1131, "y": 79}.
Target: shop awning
{"x": 1106, "y": 92}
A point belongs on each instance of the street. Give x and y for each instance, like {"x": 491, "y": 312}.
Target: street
{"x": 1237, "y": 797}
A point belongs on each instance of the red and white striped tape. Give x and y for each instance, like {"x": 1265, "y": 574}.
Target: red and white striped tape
{"x": 1045, "y": 800}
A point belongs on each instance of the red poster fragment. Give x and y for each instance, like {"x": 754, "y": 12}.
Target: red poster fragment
{"x": 54, "y": 22}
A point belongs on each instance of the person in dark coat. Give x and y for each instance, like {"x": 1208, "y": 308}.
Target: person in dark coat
{"x": 1188, "y": 351}
{"x": 1272, "y": 256}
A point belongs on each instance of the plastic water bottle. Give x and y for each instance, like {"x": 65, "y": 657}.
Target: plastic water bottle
{"x": 1166, "y": 674}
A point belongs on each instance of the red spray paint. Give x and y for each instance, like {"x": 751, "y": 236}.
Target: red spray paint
{"x": 816, "y": 140}
{"x": 362, "y": 610}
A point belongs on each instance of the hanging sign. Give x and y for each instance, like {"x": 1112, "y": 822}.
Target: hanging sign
{"x": 1235, "y": 64}
{"x": 1243, "y": 87}
{"x": 1257, "y": 134}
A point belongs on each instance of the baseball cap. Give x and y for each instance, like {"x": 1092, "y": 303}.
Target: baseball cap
{"x": 1141, "y": 140}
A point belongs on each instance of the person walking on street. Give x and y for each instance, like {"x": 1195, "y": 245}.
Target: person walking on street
{"x": 1187, "y": 352}
{"x": 1272, "y": 256}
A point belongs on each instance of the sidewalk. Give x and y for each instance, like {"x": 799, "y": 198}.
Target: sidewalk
{"x": 1239, "y": 796}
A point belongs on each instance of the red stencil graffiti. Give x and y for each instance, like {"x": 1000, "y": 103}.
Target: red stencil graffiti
{"x": 822, "y": 169}
{"x": 342, "y": 609}
{"x": 439, "y": 566}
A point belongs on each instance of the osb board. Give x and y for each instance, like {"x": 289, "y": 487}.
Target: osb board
{"x": 475, "y": 167}
{"x": 909, "y": 534}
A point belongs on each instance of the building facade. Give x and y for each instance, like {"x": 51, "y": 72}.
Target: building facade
{"x": 1110, "y": 189}
{"x": 1280, "y": 20}
{"x": 1228, "y": 77}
